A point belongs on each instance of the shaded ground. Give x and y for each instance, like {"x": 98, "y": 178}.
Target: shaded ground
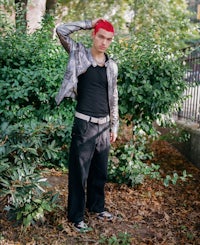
{"x": 150, "y": 214}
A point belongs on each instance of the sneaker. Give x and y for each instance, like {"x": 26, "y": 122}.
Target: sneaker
{"x": 82, "y": 227}
{"x": 105, "y": 216}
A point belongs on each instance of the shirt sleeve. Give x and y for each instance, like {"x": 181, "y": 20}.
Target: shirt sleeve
{"x": 64, "y": 30}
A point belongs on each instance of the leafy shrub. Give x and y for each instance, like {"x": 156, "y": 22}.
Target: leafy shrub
{"x": 175, "y": 177}
{"x": 24, "y": 186}
{"x": 24, "y": 148}
{"x": 176, "y": 134}
{"x": 150, "y": 85}
{"x": 150, "y": 79}
{"x": 127, "y": 165}
{"x": 39, "y": 143}
{"x": 32, "y": 68}
{"x": 33, "y": 131}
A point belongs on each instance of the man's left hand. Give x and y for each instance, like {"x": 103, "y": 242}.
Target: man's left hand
{"x": 113, "y": 137}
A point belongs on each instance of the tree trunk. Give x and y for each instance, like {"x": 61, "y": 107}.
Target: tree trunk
{"x": 51, "y": 6}
{"x": 20, "y": 14}
{"x": 35, "y": 14}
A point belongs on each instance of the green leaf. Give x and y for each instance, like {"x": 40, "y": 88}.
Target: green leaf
{"x": 27, "y": 220}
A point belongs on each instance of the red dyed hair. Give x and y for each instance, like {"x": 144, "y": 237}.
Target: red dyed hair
{"x": 103, "y": 24}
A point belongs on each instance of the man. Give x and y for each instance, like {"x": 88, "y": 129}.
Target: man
{"x": 91, "y": 78}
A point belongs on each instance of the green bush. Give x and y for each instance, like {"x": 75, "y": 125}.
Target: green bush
{"x": 32, "y": 68}
{"x": 34, "y": 142}
{"x": 150, "y": 79}
{"x": 34, "y": 132}
{"x": 150, "y": 85}
{"x": 31, "y": 71}
{"x": 127, "y": 165}
{"x": 24, "y": 187}
{"x": 23, "y": 150}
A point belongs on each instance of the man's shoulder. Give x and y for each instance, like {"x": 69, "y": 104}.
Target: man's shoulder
{"x": 112, "y": 60}
{"x": 113, "y": 65}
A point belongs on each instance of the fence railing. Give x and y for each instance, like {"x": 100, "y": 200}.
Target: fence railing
{"x": 191, "y": 106}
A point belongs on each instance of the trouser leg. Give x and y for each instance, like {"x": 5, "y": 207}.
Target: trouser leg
{"x": 81, "y": 152}
{"x": 98, "y": 172}
{"x": 76, "y": 191}
{"x": 90, "y": 143}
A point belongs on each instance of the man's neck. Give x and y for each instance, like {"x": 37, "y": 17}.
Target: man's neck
{"x": 98, "y": 55}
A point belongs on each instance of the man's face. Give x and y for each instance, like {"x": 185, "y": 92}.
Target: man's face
{"x": 102, "y": 40}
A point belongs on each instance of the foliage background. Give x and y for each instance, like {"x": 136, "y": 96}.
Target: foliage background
{"x": 35, "y": 132}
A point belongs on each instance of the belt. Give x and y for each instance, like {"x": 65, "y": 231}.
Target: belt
{"x": 87, "y": 118}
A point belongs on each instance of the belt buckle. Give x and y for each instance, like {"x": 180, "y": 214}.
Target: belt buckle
{"x": 100, "y": 120}
{"x": 94, "y": 120}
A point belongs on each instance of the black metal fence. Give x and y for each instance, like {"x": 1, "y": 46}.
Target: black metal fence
{"x": 191, "y": 107}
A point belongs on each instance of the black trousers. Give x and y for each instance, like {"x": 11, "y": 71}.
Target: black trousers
{"x": 87, "y": 168}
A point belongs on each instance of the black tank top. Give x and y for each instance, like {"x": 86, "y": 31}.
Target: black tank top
{"x": 92, "y": 90}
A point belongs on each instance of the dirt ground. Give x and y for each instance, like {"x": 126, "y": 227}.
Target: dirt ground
{"x": 147, "y": 214}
